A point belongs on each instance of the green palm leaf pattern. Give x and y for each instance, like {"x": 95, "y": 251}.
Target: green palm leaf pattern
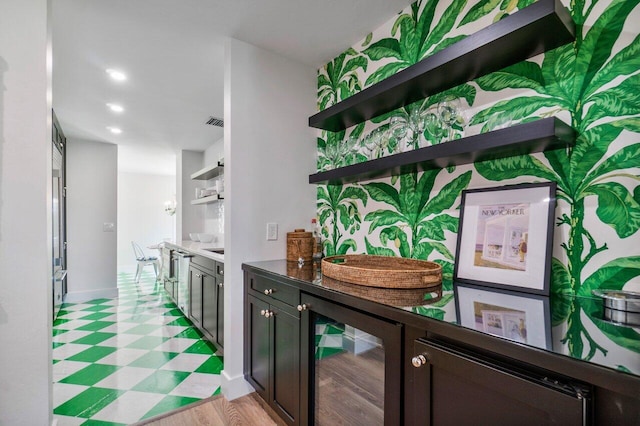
{"x": 415, "y": 221}
{"x": 599, "y": 90}
{"x": 337, "y": 210}
{"x": 339, "y": 79}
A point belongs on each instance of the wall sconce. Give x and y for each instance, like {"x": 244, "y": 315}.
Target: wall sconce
{"x": 170, "y": 207}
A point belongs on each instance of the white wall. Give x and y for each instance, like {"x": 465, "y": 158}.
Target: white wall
{"x": 189, "y": 218}
{"x": 214, "y": 213}
{"x": 92, "y": 177}
{"x": 141, "y": 215}
{"x": 25, "y": 218}
{"x": 269, "y": 154}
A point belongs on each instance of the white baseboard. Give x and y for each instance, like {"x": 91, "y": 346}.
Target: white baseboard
{"x": 234, "y": 387}
{"x": 83, "y": 296}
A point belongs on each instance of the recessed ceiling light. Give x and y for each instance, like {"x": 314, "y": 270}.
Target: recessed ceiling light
{"x": 115, "y": 107}
{"x": 114, "y": 130}
{"x": 116, "y": 75}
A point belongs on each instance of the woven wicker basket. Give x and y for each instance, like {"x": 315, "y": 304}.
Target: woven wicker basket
{"x": 382, "y": 271}
{"x": 300, "y": 245}
{"x": 398, "y": 297}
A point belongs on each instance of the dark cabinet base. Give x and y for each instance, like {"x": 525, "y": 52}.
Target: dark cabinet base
{"x": 466, "y": 377}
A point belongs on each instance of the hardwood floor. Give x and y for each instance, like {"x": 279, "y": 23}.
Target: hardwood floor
{"x": 351, "y": 389}
{"x": 217, "y": 411}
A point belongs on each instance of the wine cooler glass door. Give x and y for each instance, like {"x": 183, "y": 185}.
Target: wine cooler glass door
{"x": 354, "y": 366}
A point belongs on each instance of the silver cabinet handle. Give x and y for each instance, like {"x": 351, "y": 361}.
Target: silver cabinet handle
{"x": 220, "y": 284}
{"x": 268, "y": 291}
{"x": 198, "y": 275}
{"x": 418, "y": 361}
{"x": 303, "y": 307}
{"x": 268, "y": 314}
{"x": 263, "y": 312}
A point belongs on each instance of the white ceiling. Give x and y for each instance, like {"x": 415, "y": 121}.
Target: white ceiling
{"x": 173, "y": 53}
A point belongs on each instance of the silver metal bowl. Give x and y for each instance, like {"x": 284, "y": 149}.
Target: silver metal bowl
{"x": 620, "y": 306}
{"x": 622, "y": 317}
{"x": 620, "y": 300}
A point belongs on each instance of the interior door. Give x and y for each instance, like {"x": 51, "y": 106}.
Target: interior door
{"x": 58, "y": 220}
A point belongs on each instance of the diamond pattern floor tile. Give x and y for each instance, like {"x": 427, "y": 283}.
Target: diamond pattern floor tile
{"x": 118, "y": 361}
{"x": 91, "y": 374}
{"x": 87, "y": 403}
{"x": 127, "y": 378}
{"x": 198, "y": 385}
{"x": 154, "y": 359}
{"x": 161, "y": 381}
{"x": 185, "y": 362}
{"x": 93, "y": 354}
{"x": 169, "y": 403}
{"x": 123, "y": 356}
{"x": 129, "y": 408}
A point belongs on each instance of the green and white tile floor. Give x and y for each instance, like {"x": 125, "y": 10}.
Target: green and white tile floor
{"x": 118, "y": 361}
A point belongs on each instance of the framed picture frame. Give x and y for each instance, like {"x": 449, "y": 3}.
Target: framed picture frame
{"x": 505, "y": 237}
{"x": 517, "y": 316}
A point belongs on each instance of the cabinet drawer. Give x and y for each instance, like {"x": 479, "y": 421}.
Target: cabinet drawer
{"x": 274, "y": 289}
{"x": 207, "y": 265}
{"x": 452, "y": 386}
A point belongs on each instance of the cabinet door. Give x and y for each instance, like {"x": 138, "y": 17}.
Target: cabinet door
{"x": 285, "y": 365}
{"x": 209, "y": 305}
{"x": 455, "y": 388}
{"x": 195, "y": 295}
{"x": 257, "y": 352}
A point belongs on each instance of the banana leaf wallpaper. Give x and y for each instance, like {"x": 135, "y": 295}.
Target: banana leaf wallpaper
{"x": 593, "y": 84}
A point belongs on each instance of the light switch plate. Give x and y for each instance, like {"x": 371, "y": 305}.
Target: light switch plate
{"x": 272, "y": 231}
{"x": 108, "y": 227}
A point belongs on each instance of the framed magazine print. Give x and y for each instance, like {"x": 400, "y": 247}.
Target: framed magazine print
{"x": 505, "y": 237}
{"x": 517, "y": 316}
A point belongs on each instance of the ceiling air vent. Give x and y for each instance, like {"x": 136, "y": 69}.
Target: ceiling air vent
{"x": 212, "y": 121}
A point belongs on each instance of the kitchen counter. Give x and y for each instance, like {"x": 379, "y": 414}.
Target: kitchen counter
{"x": 564, "y": 333}
{"x": 198, "y": 248}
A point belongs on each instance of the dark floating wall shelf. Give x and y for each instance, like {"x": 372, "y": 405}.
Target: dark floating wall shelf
{"x": 542, "y": 26}
{"x": 542, "y": 135}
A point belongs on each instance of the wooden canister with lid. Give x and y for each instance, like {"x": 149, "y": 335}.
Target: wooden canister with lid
{"x": 300, "y": 245}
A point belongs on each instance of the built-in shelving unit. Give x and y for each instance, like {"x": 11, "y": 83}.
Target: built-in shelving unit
{"x": 542, "y": 26}
{"x": 207, "y": 200}
{"x": 536, "y": 136}
{"x": 208, "y": 172}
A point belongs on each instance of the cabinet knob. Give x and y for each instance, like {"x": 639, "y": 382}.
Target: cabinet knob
{"x": 268, "y": 314}
{"x": 418, "y": 361}
{"x": 268, "y": 291}
{"x": 263, "y": 312}
{"x": 198, "y": 275}
{"x": 303, "y": 307}
{"x": 220, "y": 284}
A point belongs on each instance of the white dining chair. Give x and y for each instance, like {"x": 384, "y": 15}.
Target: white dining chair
{"x": 143, "y": 260}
